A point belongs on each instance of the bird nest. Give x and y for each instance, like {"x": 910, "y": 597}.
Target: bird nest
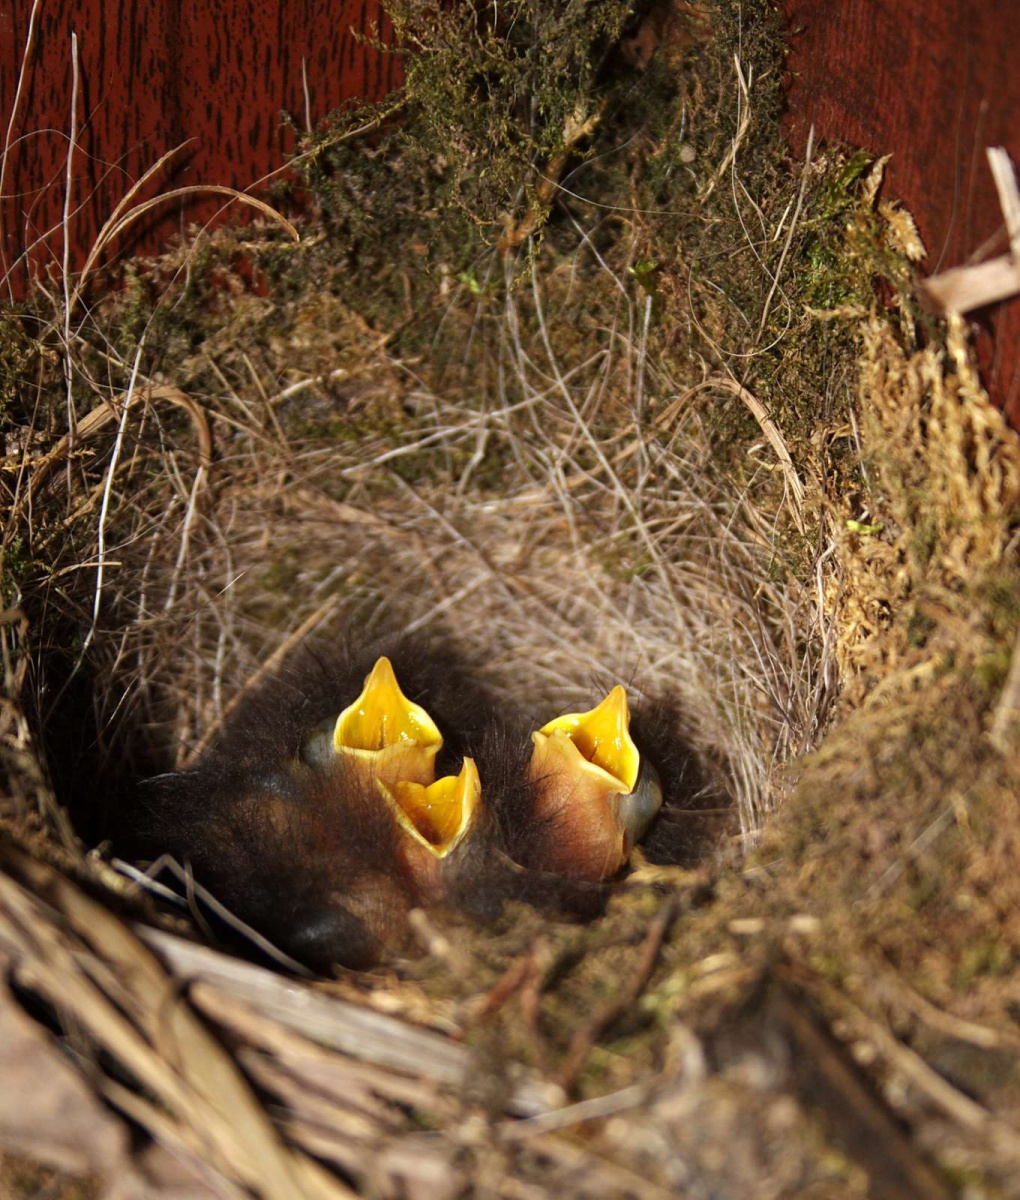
{"x": 626, "y": 410}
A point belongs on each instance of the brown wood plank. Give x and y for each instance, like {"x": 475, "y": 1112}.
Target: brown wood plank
{"x": 932, "y": 84}
{"x": 151, "y": 75}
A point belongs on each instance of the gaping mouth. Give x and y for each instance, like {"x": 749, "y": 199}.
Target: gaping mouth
{"x": 589, "y": 768}
{"x": 396, "y": 742}
{"x": 440, "y": 814}
{"x": 394, "y": 738}
{"x": 383, "y": 716}
{"x": 602, "y": 740}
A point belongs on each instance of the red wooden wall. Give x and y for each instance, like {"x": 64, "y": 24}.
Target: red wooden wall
{"x": 151, "y": 74}
{"x": 933, "y": 82}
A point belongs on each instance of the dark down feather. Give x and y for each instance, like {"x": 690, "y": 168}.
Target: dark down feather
{"x": 311, "y": 856}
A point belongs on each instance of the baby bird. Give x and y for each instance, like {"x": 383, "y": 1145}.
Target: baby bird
{"x": 324, "y": 809}
{"x": 595, "y": 793}
{"x": 384, "y": 739}
{"x": 333, "y": 804}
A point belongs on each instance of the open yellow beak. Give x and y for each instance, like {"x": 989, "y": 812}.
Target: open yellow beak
{"x": 602, "y": 738}
{"x": 439, "y": 815}
{"x": 595, "y": 795}
{"x": 395, "y": 742}
{"x": 394, "y": 738}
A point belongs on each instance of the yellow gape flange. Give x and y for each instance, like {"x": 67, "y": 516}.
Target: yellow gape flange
{"x": 602, "y": 737}
{"x": 594, "y": 792}
{"x": 389, "y": 736}
{"x": 440, "y": 815}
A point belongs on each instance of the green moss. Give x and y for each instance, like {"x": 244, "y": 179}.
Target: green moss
{"x": 14, "y": 562}
{"x": 919, "y": 626}
{"x": 992, "y": 669}
{"x": 990, "y": 956}
{"x": 17, "y": 352}
{"x": 839, "y": 192}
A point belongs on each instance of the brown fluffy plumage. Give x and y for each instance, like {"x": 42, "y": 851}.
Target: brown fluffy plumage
{"x": 311, "y": 855}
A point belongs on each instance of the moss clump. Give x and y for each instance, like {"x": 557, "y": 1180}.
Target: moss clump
{"x": 18, "y": 351}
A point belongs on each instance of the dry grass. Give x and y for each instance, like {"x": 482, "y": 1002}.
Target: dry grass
{"x": 576, "y": 556}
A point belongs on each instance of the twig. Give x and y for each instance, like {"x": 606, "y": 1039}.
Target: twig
{"x": 601, "y": 1176}
{"x": 936, "y": 1018}
{"x": 512, "y": 979}
{"x": 858, "y": 1121}
{"x": 574, "y": 1114}
{"x": 1006, "y": 718}
{"x": 68, "y": 185}
{"x": 962, "y": 289}
{"x": 362, "y": 1033}
{"x": 1009, "y": 196}
{"x": 25, "y": 57}
{"x": 936, "y": 1087}
{"x": 585, "y": 1038}
{"x": 163, "y": 1130}
{"x": 196, "y": 891}
{"x": 203, "y": 1088}
{"x": 104, "y": 508}
{"x": 574, "y": 131}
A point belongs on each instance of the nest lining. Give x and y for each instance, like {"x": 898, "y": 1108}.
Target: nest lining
{"x": 567, "y": 491}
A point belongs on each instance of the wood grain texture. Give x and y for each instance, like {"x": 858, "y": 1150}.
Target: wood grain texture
{"x": 932, "y": 84}
{"x": 153, "y": 74}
